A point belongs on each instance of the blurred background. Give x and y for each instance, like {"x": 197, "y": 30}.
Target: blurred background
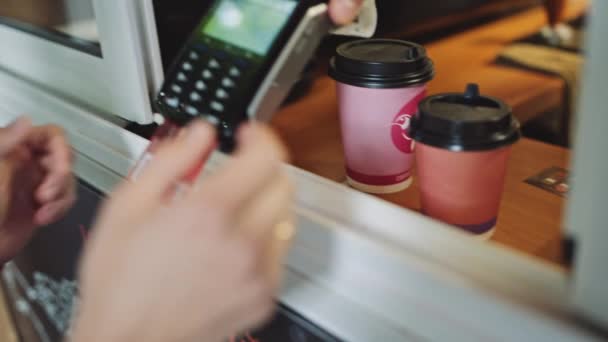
{"x": 70, "y": 22}
{"x": 430, "y": 22}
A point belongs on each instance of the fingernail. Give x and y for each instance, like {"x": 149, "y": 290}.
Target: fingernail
{"x": 350, "y": 4}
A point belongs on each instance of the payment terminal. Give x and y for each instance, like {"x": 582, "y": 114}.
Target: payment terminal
{"x": 241, "y": 61}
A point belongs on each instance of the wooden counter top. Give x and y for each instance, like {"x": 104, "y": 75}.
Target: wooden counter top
{"x": 469, "y": 57}
{"x": 530, "y": 217}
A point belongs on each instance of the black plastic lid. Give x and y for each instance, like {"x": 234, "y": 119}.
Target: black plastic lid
{"x": 464, "y": 122}
{"x": 381, "y": 63}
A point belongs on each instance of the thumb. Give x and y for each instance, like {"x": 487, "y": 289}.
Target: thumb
{"x": 343, "y": 12}
{"x": 176, "y": 160}
{"x": 14, "y": 134}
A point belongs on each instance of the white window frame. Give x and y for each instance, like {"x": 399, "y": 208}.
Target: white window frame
{"x": 115, "y": 84}
{"x": 587, "y": 217}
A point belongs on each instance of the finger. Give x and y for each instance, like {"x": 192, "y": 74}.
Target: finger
{"x": 53, "y": 211}
{"x": 343, "y": 12}
{"x": 58, "y": 180}
{"x": 256, "y": 163}
{"x": 48, "y": 139}
{"x": 14, "y": 134}
{"x": 276, "y": 251}
{"x": 6, "y": 181}
{"x": 50, "y": 145}
{"x": 47, "y": 214}
{"x": 56, "y": 187}
{"x": 273, "y": 204}
{"x": 174, "y": 160}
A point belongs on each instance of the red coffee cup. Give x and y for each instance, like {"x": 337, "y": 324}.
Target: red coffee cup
{"x": 464, "y": 142}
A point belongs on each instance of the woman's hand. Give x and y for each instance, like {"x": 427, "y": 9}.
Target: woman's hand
{"x": 36, "y": 182}
{"x": 197, "y": 267}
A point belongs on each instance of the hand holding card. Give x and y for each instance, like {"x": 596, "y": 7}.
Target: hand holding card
{"x": 233, "y": 225}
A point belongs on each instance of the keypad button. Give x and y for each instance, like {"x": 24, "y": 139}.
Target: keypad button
{"x": 226, "y": 137}
{"x": 221, "y": 94}
{"x": 187, "y": 66}
{"x": 228, "y": 83}
{"x": 214, "y": 64}
{"x": 191, "y": 110}
{"x": 172, "y": 102}
{"x": 208, "y": 75}
{"x": 200, "y": 86}
{"x": 194, "y": 56}
{"x": 226, "y": 130}
{"x": 217, "y": 106}
{"x": 195, "y": 97}
{"x": 182, "y": 77}
{"x": 177, "y": 89}
{"x": 234, "y": 72}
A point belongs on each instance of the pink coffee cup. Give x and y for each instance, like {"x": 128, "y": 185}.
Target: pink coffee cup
{"x": 464, "y": 143}
{"x": 380, "y": 83}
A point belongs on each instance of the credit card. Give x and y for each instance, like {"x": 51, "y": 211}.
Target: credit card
{"x": 166, "y": 130}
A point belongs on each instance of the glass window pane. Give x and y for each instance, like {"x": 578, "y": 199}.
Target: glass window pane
{"x": 68, "y": 22}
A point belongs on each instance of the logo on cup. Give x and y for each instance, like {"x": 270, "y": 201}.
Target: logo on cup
{"x": 399, "y": 128}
